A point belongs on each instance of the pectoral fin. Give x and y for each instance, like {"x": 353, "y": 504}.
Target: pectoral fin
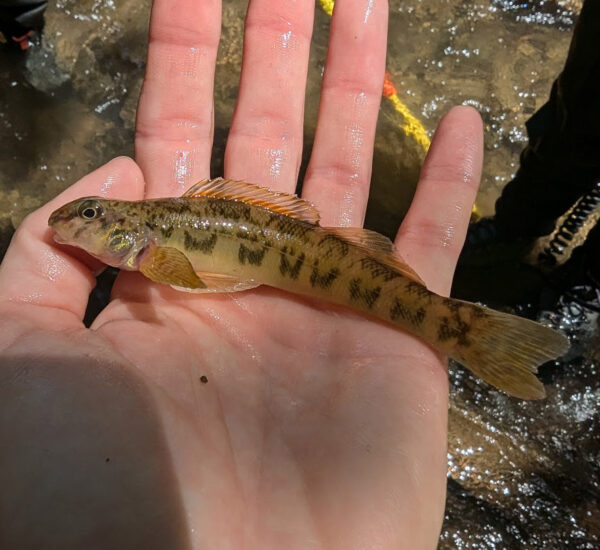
{"x": 167, "y": 265}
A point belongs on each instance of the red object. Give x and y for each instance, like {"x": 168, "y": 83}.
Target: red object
{"x": 23, "y": 41}
{"x": 388, "y": 88}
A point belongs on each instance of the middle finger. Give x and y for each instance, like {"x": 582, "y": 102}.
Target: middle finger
{"x": 265, "y": 141}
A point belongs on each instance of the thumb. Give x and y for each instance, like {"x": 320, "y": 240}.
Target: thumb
{"x": 35, "y": 270}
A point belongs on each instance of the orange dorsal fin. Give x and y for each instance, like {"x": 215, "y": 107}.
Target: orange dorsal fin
{"x": 276, "y": 201}
{"x": 379, "y": 247}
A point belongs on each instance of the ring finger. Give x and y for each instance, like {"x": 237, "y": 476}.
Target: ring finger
{"x": 339, "y": 172}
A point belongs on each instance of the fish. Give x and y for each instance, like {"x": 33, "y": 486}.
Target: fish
{"x": 229, "y": 236}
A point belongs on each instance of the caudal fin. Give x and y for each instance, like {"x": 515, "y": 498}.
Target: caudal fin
{"x": 506, "y": 351}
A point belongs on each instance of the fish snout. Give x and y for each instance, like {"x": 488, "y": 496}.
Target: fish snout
{"x": 54, "y": 217}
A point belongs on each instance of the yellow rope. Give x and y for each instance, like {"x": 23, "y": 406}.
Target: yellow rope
{"x": 411, "y": 125}
{"x": 327, "y": 6}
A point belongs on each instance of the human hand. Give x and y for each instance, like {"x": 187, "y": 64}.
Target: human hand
{"x": 317, "y": 427}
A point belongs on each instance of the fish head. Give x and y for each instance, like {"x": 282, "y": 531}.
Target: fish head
{"x": 106, "y": 229}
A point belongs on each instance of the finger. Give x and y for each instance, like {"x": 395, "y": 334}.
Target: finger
{"x": 36, "y": 270}
{"x": 339, "y": 172}
{"x": 433, "y": 231}
{"x": 174, "y": 127}
{"x": 265, "y": 141}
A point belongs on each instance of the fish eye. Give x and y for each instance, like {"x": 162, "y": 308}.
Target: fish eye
{"x": 89, "y": 210}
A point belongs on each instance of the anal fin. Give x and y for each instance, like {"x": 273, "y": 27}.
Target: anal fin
{"x": 215, "y": 283}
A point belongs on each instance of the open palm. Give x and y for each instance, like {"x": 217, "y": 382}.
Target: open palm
{"x": 249, "y": 420}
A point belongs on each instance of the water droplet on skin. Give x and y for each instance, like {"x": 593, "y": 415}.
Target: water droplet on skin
{"x": 52, "y": 265}
{"x": 184, "y": 167}
{"x": 288, "y": 40}
{"x": 108, "y": 183}
{"x": 368, "y": 10}
{"x": 275, "y": 158}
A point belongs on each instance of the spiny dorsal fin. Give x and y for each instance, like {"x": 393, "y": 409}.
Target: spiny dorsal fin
{"x": 379, "y": 247}
{"x": 283, "y": 203}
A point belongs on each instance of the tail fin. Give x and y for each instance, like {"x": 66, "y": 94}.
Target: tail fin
{"x": 506, "y": 351}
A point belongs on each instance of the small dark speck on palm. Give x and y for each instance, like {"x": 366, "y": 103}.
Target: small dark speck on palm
{"x": 203, "y": 379}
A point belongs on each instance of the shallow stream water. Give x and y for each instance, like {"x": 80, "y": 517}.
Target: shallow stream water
{"x": 521, "y": 475}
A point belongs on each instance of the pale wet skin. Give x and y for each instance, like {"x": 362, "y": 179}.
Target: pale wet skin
{"x": 522, "y": 475}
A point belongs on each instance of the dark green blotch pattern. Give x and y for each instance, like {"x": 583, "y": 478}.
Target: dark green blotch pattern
{"x": 323, "y": 280}
{"x": 205, "y": 245}
{"x": 359, "y": 293}
{"x": 399, "y": 310}
{"x": 253, "y": 257}
{"x": 454, "y": 328}
{"x": 378, "y": 269}
{"x": 286, "y": 267}
{"x": 332, "y": 245}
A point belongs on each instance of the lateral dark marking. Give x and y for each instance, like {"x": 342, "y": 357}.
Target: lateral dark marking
{"x": 247, "y": 235}
{"x": 401, "y": 311}
{"x": 301, "y": 230}
{"x": 359, "y": 293}
{"x": 379, "y": 269}
{"x": 166, "y": 232}
{"x": 323, "y": 280}
{"x": 286, "y": 267}
{"x": 451, "y": 328}
{"x": 231, "y": 210}
{"x": 203, "y": 245}
{"x": 417, "y": 289}
{"x": 253, "y": 257}
{"x": 331, "y": 245}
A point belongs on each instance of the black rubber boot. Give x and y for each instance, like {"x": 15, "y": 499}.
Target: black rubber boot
{"x": 560, "y": 164}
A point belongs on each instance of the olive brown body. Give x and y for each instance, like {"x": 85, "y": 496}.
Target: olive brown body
{"x": 253, "y": 244}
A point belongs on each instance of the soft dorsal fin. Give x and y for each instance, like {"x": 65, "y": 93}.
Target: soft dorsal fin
{"x": 379, "y": 247}
{"x": 283, "y": 203}
{"x": 365, "y": 238}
